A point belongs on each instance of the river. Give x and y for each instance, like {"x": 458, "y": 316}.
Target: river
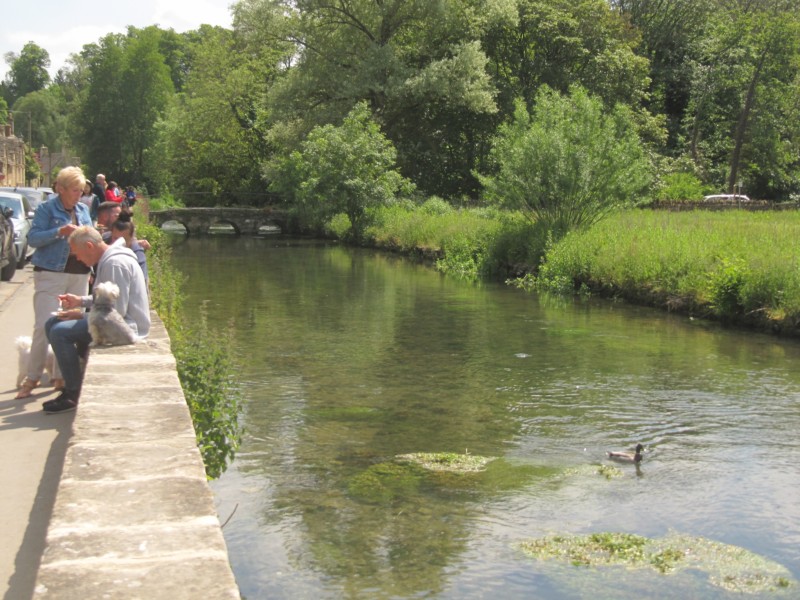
{"x": 348, "y": 358}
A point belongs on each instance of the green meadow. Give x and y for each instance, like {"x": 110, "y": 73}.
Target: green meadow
{"x": 734, "y": 266}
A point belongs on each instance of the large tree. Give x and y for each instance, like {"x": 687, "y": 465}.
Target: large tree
{"x": 129, "y": 87}
{"x": 210, "y": 143}
{"x": 27, "y": 72}
{"x": 416, "y": 63}
{"x": 746, "y": 71}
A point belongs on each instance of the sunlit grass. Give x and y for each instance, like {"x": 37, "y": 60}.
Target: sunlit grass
{"x": 733, "y": 264}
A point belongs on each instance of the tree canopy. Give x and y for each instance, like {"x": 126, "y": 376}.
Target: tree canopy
{"x": 710, "y": 88}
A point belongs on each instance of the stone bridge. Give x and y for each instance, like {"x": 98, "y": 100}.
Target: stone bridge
{"x": 244, "y": 220}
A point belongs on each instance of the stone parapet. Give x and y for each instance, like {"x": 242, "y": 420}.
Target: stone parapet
{"x": 134, "y": 516}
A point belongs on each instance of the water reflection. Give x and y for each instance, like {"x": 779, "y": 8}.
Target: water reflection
{"x": 349, "y": 358}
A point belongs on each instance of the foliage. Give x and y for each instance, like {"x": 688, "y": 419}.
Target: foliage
{"x": 681, "y": 186}
{"x": 213, "y": 121}
{"x": 128, "y": 90}
{"x": 347, "y": 169}
{"x": 205, "y": 370}
{"x": 27, "y": 72}
{"x": 734, "y": 265}
{"x": 47, "y": 110}
{"x": 570, "y": 163}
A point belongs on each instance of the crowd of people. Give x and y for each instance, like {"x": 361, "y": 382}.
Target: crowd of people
{"x": 81, "y": 240}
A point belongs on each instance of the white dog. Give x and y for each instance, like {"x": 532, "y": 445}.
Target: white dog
{"x": 106, "y": 325}
{"x": 24, "y": 349}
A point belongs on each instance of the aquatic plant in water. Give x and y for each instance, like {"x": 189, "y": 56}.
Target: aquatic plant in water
{"x": 729, "y": 567}
{"x": 447, "y": 461}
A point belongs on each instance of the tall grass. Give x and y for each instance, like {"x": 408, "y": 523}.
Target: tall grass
{"x": 735, "y": 265}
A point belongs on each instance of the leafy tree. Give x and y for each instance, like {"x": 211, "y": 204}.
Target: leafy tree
{"x": 568, "y": 164}
{"x": 746, "y": 69}
{"x": 346, "y": 169}
{"x": 214, "y": 121}
{"x": 145, "y": 91}
{"x": 48, "y": 112}
{"x": 129, "y": 87}
{"x": 27, "y": 72}
{"x": 416, "y": 63}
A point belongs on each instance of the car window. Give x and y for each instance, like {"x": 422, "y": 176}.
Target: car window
{"x": 14, "y": 204}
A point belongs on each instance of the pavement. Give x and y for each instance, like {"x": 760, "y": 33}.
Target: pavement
{"x": 33, "y": 445}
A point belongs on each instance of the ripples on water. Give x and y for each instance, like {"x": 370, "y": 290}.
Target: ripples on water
{"x": 349, "y": 358}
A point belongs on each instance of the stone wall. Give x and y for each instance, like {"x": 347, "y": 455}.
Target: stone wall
{"x": 134, "y": 516}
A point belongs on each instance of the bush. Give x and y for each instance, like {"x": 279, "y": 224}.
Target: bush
{"x": 570, "y": 163}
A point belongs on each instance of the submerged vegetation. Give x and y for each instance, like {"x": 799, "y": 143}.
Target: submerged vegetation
{"x": 729, "y": 567}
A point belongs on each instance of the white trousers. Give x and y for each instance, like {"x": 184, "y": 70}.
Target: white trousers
{"x": 47, "y": 286}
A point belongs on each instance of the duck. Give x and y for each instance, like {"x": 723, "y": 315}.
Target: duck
{"x": 627, "y": 457}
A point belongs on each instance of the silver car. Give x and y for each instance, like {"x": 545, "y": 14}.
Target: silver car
{"x": 34, "y": 195}
{"x": 21, "y": 218}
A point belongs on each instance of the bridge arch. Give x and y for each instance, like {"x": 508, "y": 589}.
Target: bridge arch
{"x": 244, "y": 221}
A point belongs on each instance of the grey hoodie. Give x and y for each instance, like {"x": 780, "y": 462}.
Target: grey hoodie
{"x": 119, "y": 264}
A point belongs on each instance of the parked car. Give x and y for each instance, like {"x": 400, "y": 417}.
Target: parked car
{"x": 726, "y": 198}
{"x": 8, "y": 258}
{"x": 21, "y": 218}
{"x": 35, "y": 196}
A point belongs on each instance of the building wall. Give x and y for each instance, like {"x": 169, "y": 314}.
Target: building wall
{"x": 12, "y": 158}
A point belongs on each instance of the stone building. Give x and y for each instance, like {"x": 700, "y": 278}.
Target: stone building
{"x": 12, "y": 157}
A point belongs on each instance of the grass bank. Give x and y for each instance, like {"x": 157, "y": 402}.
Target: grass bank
{"x": 735, "y": 266}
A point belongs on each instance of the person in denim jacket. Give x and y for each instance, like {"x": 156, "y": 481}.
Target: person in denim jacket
{"x": 55, "y": 270}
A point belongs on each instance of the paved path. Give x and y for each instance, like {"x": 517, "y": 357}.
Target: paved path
{"x": 33, "y": 446}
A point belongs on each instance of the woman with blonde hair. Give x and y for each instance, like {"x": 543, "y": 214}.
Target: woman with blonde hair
{"x": 55, "y": 270}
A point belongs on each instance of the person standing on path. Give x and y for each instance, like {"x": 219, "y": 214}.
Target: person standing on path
{"x": 56, "y": 270}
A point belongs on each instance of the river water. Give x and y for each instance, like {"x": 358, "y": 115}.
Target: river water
{"x": 348, "y": 358}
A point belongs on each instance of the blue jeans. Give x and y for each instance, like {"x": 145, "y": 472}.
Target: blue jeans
{"x": 70, "y": 340}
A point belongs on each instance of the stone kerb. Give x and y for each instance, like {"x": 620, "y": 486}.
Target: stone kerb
{"x": 134, "y": 516}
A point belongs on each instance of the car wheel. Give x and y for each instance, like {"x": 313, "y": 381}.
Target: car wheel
{"x": 8, "y": 271}
{"x": 23, "y": 258}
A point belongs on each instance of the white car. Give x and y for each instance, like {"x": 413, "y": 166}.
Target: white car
{"x": 726, "y": 198}
{"x": 21, "y": 218}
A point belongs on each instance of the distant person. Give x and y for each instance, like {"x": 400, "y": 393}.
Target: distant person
{"x": 112, "y": 192}
{"x": 89, "y": 199}
{"x": 124, "y": 228}
{"x": 68, "y": 332}
{"x": 130, "y": 196}
{"x": 56, "y": 270}
{"x": 100, "y": 186}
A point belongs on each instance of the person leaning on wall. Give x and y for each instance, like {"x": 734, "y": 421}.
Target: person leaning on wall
{"x": 56, "y": 270}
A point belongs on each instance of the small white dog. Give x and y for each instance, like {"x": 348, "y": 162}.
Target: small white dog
{"x": 24, "y": 350}
{"x": 106, "y": 325}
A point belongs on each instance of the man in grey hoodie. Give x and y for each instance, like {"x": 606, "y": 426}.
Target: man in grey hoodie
{"x": 68, "y": 331}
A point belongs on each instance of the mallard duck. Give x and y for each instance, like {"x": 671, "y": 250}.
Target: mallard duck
{"x": 627, "y": 456}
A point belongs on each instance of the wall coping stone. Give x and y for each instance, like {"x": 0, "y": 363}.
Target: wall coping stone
{"x": 134, "y": 516}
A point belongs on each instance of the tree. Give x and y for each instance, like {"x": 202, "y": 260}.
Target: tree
{"x": 209, "y": 141}
{"x": 129, "y": 87}
{"x": 417, "y": 64}
{"x": 569, "y": 163}
{"x": 48, "y": 113}
{"x": 346, "y": 169}
{"x": 27, "y": 72}
{"x": 738, "y": 124}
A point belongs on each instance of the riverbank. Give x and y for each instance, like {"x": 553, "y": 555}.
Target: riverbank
{"x": 736, "y": 266}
